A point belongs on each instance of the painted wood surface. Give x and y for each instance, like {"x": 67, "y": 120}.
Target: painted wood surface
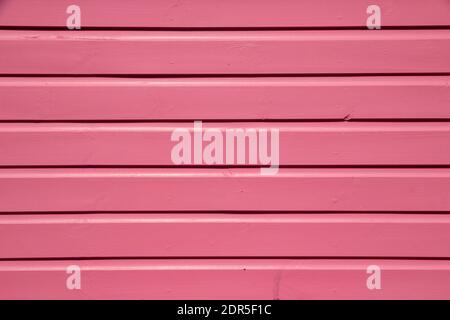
{"x": 297, "y": 98}
{"x": 224, "y": 235}
{"x": 225, "y": 279}
{"x": 224, "y": 52}
{"x": 219, "y": 14}
{"x": 86, "y": 176}
{"x": 174, "y": 189}
{"x": 150, "y": 144}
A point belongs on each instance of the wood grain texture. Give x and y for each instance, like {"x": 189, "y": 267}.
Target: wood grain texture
{"x": 224, "y": 190}
{"x": 394, "y": 97}
{"x": 145, "y": 144}
{"x": 217, "y": 13}
{"x": 225, "y": 279}
{"x": 224, "y": 52}
{"x": 224, "y": 235}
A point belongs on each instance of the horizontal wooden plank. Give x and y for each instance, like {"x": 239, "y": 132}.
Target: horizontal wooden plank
{"x": 217, "y": 13}
{"x": 394, "y": 97}
{"x": 225, "y": 279}
{"x": 224, "y": 235}
{"x": 224, "y": 189}
{"x": 224, "y": 52}
{"x": 140, "y": 144}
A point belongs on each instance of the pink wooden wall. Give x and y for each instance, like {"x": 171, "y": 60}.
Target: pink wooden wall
{"x": 87, "y": 179}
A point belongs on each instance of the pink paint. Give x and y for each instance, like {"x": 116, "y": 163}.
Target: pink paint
{"x": 356, "y": 188}
{"x": 174, "y": 189}
{"x": 141, "y": 144}
{"x": 218, "y": 13}
{"x": 225, "y": 98}
{"x": 225, "y": 279}
{"x": 224, "y": 52}
{"x": 224, "y": 235}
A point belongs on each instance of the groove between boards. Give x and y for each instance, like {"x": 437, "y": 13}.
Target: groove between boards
{"x": 221, "y": 75}
{"x": 231, "y": 212}
{"x": 430, "y": 120}
{"x": 206, "y": 29}
{"x": 228, "y": 258}
{"x": 425, "y": 166}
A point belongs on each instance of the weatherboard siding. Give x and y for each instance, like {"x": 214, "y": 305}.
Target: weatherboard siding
{"x": 87, "y": 176}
